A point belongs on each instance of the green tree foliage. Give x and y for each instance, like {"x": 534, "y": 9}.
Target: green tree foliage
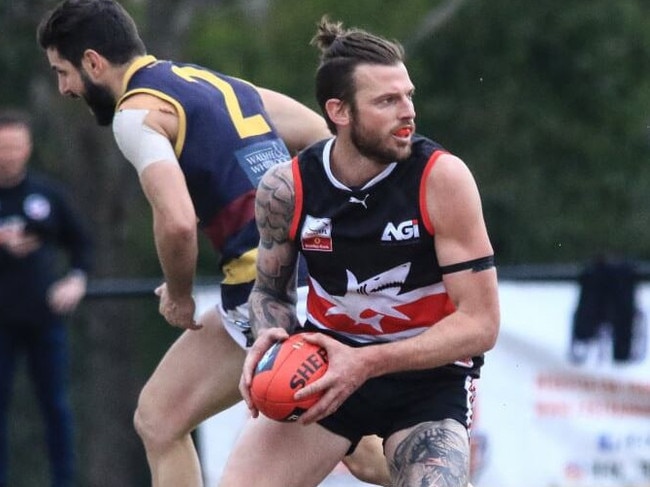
{"x": 548, "y": 103}
{"x": 17, "y": 58}
{"x": 270, "y": 44}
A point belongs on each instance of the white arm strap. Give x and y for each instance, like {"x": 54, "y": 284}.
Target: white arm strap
{"x": 139, "y": 143}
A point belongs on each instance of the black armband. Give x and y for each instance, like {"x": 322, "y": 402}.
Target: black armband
{"x": 476, "y": 265}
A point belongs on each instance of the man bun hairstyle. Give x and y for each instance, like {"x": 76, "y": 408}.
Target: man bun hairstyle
{"x": 342, "y": 50}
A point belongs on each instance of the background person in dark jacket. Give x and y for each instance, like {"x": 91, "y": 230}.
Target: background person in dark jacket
{"x": 37, "y": 289}
{"x": 606, "y": 310}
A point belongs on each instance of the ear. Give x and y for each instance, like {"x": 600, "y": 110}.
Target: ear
{"x": 338, "y": 111}
{"x": 93, "y": 63}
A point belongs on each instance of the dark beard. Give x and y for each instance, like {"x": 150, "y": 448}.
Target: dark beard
{"x": 370, "y": 145}
{"x": 99, "y": 100}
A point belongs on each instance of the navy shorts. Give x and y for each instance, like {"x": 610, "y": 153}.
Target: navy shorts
{"x": 390, "y": 403}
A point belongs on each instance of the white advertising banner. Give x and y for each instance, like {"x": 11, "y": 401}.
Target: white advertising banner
{"x": 542, "y": 420}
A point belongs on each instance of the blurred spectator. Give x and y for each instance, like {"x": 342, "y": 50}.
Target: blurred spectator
{"x": 607, "y": 311}
{"x": 37, "y": 289}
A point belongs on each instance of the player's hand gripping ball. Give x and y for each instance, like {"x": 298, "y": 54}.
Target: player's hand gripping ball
{"x": 285, "y": 368}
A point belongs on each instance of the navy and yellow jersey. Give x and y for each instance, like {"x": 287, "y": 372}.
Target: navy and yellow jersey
{"x": 374, "y": 276}
{"x": 225, "y": 143}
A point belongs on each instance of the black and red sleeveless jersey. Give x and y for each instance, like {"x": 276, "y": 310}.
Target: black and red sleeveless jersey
{"x": 374, "y": 274}
{"x": 370, "y": 250}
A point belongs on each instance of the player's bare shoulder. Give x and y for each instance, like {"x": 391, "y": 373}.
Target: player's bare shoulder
{"x": 450, "y": 181}
{"x": 452, "y": 195}
{"x": 449, "y": 169}
{"x": 161, "y": 114}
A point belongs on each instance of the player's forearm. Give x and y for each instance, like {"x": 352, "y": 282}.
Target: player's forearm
{"x": 268, "y": 310}
{"x": 274, "y": 296}
{"x": 177, "y": 251}
{"x": 456, "y": 338}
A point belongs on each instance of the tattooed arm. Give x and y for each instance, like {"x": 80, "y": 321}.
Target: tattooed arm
{"x": 273, "y": 298}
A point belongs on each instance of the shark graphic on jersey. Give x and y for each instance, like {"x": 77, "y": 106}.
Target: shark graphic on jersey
{"x": 375, "y": 309}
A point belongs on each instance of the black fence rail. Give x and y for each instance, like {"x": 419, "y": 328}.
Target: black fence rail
{"x": 144, "y": 287}
{"x": 134, "y": 287}
{"x": 559, "y": 272}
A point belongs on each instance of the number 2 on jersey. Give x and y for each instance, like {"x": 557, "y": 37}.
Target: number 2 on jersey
{"x": 245, "y": 126}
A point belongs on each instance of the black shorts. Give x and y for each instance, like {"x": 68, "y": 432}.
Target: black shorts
{"x": 387, "y": 404}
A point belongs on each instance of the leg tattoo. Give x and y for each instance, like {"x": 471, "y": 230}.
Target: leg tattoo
{"x": 434, "y": 454}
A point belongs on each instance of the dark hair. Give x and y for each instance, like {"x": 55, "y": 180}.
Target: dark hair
{"x": 14, "y": 116}
{"x": 102, "y": 25}
{"x": 342, "y": 50}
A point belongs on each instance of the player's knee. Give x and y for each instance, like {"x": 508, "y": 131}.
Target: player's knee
{"x": 143, "y": 425}
{"x": 373, "y": 472}
{"x": 150, "y": 424}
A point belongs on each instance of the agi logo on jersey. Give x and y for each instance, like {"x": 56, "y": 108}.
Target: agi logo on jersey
{"x": 407, "y": 230}
{"x": 316, "y": 234}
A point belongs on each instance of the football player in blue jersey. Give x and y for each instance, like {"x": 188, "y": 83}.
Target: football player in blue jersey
{"x": 200, "y": 142}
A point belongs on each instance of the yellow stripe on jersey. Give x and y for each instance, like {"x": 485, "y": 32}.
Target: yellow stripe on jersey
{"x": 182, "y": 119}
{"x": 241, "y": 269}
{"x": 245, "y": 126}
{"x": 137, "y": 64}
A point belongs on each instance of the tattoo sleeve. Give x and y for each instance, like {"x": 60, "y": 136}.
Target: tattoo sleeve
{"x": 273, "y": 298}
{"x": 434, "y": 454}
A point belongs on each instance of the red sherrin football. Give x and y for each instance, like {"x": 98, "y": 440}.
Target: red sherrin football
{"x": 284, "y": 369}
